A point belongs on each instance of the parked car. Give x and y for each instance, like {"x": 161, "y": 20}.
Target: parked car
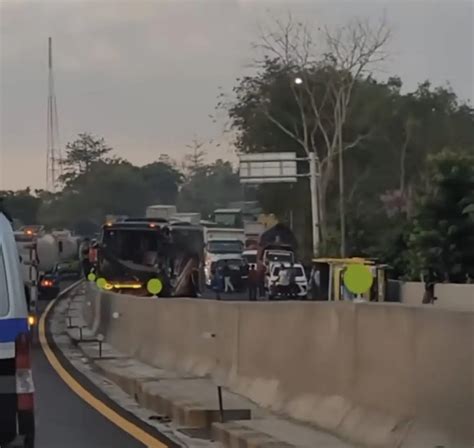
{"x": 17, "y": 422}
{"x": 275, "y": 288}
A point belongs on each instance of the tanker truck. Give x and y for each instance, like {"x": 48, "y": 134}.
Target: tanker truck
{"x": 38, "y": 254}
{"x": 41, "y": 256}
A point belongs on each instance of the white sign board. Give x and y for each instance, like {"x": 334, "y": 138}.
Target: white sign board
{"x": 270, "y": 167}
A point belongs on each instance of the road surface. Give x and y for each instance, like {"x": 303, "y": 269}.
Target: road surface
{"x": 63, "y": 419}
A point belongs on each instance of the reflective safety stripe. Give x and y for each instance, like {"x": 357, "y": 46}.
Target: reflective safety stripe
{"x": 7, "y": 350}
{"x": 11, "y": 328}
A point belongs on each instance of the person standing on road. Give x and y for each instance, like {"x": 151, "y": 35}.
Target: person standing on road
{"x": 261, "y": 271}
{"x": 293, "y": 286}
{"x": 253, "y": 279}
{"x": 430, "y": 282}
{"x": 284, "y": 281}
{"x": 86, "y": 266}
{"x": 228, "y": 287}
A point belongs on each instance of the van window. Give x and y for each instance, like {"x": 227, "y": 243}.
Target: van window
{"x": 4, "y": 300}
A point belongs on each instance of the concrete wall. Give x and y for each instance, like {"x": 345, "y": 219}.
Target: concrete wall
{"x": 450, "y": 295}
{"x": 378, "y": 375}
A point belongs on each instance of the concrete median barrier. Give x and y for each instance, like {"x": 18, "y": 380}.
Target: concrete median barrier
{"x": 378, "y": 375}
{"x": 449, "y": 295}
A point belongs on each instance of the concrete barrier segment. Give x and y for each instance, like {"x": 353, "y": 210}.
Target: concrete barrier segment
{"x": 380, "y": 375}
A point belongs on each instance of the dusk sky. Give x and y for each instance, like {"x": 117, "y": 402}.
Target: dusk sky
{"x": 145, "y": 75}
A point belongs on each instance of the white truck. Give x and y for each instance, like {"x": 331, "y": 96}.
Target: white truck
{"x": 160, "y": 211}
{"x": 219, "y": 242}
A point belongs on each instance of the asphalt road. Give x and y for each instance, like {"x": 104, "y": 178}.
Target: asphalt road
{"x": 63, "y": 419}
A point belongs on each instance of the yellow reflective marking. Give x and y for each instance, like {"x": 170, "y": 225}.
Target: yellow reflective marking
{"x": 154, "y": 286}
{"x": 130, "y": 428}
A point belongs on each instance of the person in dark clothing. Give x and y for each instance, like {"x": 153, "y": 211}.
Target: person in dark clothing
{"x": 252, "y": 282}
{"x": 86, "y": 265}
{"x": 215, "y": 282}
{"x": 293, "y": 286}
{"x": 226, "y": 272}
{"x": 430, "y": 282}
{"x": 261, "y": 270}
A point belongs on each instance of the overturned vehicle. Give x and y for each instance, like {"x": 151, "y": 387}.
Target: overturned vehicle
{"x": 150, "y": 257}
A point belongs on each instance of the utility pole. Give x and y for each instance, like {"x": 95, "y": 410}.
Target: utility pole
{"x": 313, "y": 184}
{"x": 53, "y": 153}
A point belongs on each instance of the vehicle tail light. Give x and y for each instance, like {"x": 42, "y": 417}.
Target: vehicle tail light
{"x": 24, "y": 377}
{"x": 46, "y": 283}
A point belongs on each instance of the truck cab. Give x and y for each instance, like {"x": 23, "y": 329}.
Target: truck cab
{"x": 229, "y": 217}
{"x": 219, "y": 248}
{"x": 16, "y": 397}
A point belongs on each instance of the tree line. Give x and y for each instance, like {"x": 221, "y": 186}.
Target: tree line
{"x": 96, "y": 183}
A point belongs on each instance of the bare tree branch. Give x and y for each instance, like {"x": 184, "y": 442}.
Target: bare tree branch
{"x": 285, "y": 129}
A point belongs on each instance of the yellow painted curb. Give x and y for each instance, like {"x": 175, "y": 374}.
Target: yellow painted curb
{"x": 133, "y": 430}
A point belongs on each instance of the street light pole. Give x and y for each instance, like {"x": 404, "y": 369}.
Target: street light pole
{"x": 313, "y": 186}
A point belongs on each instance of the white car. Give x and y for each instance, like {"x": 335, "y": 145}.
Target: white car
{"x": 277, "y": 290}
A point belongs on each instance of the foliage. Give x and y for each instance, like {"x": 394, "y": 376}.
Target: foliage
{"x": 22, "y": 205}
{"x": 81, "y": 154}
{"x": 99, "y": 184}
{"x": 210, "y": 187}
{"x": 384, "y": 172}
{"x": 194, "y": 160}
{"x": 163, "y": 181}
{"x": 443, "y": 235}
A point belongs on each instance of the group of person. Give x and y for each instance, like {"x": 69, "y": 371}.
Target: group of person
{"x": 286, "y": 284}
{"x": 248, "y": 277}
{"x": 254, "y": 283}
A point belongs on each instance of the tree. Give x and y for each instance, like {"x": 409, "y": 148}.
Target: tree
{"x": 22, "y": 205}
{"x": 210, "y": 187}
{"x": 317, "y": 94}
{"x": 116, "y": 187}
{"x": 81, "y": 154}
{"x": 443, "y": 235}
{"x": 163, "y": 181}
{"x": 383, "y": 174}
{"x": 194, "y": 160}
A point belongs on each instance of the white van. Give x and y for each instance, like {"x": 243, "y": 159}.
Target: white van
{"x": 16, "y": 382}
